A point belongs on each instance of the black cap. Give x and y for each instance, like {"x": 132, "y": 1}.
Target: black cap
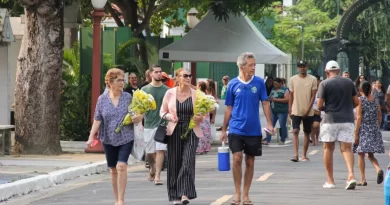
{"x": 302, "y": 63}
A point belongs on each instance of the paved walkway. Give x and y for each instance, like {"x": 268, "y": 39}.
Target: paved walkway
{"x": 276, "y": 181}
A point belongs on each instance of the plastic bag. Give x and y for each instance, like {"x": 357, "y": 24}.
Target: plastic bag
{"x": 139, "y": 142}
{"x": 213, "y": 134}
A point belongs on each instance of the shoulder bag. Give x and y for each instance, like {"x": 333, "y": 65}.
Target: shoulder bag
{"x": 160, "y": 135}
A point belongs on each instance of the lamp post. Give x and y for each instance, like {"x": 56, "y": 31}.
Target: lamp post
{"x": 98, "y": 13}
{"x": 192, "y": 21}
{"x": 303, "y": 43}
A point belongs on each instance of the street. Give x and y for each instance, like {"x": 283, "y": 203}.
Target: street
{"x": 276, "y": 181}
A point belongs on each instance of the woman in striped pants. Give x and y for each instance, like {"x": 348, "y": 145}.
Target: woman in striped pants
{"x": 177, "y": 107}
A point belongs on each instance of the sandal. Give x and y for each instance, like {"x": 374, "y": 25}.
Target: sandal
{"x": 295, "y": 159}
{"x": 362, "y": 184}
{"x": 379, "y": 178}
{"x": 304, "y": 159}
{"x": 185, "y": 200}
{"x": 247, "y": 203}
{"x": 234, "y": 202}
{"x": 158, "y": 182}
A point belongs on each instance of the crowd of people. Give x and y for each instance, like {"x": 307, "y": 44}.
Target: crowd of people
{"x": 175, "y": 100}
{"x": 336, "y": 109}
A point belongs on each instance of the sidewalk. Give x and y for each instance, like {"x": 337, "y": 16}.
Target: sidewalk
{"x": 23, "y": 174}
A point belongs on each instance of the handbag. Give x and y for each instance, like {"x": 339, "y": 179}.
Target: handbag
{"x": 161, "y": 132}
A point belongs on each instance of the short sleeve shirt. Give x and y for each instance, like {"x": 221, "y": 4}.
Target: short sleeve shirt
{"x": 278, "y": 107}
{"x": 152, "y": 117}
{"x": 337, "y": 93}
{"x": 302, "y": 88}
{"x": 245, "y": 97}
{"x": 111, "y": 117}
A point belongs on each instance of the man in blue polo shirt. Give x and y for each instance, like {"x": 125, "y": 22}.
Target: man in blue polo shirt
{"x": 243, "y": 97}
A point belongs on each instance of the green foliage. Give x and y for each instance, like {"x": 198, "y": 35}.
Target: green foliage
{"x": 14, "y": 8}
{"x": 316, "y": 26}
{"x": 134, "y": 64}
{"x": 330, "y": 6}
{"x": 371, "y": 30}
{"x": 75, "y": 99}
{"x": 76, "y": 96}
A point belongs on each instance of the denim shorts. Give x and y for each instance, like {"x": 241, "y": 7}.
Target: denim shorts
{"x": 115, "y": 154}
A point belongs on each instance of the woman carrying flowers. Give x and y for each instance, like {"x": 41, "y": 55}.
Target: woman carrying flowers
{"x": 178, "y": 108}
{"x": 111, "y": 108}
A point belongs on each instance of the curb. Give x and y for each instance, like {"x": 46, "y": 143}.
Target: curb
{"x": 26, "y": 186}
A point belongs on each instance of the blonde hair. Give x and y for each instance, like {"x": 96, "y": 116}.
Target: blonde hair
{"x": 178, "y": 73}
{"x": 113, "y": 74}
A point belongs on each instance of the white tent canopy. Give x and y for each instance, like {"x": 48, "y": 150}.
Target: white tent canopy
{"x": 223, "y": 41}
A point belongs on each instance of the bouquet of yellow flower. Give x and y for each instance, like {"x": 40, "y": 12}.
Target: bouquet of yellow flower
{"x": 140, "y": 104}
{"x": 203, "y": 105}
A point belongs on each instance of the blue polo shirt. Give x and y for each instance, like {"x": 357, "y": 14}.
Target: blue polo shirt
{"x": 245, "y": 97}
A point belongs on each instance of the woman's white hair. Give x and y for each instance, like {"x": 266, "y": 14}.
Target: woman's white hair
{"x": 241, "y": 61}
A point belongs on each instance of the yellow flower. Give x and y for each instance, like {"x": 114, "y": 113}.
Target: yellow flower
{"x": 140, "y": 104}
{"x": 203, "y": 105}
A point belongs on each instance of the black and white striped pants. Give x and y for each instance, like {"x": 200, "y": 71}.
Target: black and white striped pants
{"x": 181, "y": 164}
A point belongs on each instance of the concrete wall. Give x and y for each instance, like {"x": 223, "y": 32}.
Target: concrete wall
{"x": 13, "y": 53}
{"x": 4, "y": 87}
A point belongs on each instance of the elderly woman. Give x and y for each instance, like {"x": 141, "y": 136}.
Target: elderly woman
{"x": 111, "y": 109}
{"x": 177, "y": 107}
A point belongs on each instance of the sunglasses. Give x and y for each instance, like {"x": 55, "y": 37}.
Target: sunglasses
{"x": 186, "y": 76}
{"x": 120, "y": 80}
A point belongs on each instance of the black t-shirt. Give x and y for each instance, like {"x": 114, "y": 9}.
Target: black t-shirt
{"x": 338, "y": 93}
{"x": 130, "y": 90}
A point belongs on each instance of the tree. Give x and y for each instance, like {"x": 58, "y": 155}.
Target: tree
{"x": 37, "y": 89}
{"x": 148, "y": 15}
{"x": 317, "y": 25}
{"x": 14, "y": 8}
{"x": 38, "y": 83}
{"x": 371, "y": 30}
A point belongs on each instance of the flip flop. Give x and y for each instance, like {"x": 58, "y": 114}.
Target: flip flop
{"x": 247, "y": 203}
{"x": 295, "y": 159}
{"x": 305, "y": 159}
{"x": 158, "y": 182}
{"x": 362, "y": 184}
{"x": 234, "y": 202}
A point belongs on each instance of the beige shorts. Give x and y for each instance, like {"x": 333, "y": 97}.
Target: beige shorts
{"x": 342, "y": 132}
{"x": 151, "y": 145}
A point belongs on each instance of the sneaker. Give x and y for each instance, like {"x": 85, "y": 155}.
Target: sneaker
{"x": 328, "y": 186}
{"x": 351, "y": 184}
{"x": 281, "y": 143}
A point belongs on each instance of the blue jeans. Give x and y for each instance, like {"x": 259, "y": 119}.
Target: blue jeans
{"x": 384, "y": 121}
{"x": 282, "y": 117}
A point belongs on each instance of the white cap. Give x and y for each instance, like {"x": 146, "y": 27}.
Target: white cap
{"x": 332, "y": 65}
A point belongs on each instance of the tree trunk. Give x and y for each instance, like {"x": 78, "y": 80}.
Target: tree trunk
{"x": 37, "y": 90}
{"x": 143, "y": 53}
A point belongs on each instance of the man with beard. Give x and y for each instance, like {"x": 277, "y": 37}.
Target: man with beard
{"x": 152, "y": 120}
{"x": 303, "y": 88}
